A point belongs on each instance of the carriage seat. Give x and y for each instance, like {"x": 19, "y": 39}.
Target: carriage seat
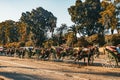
{"x": 111, "y": 48}
{"x": 114, "y": 49}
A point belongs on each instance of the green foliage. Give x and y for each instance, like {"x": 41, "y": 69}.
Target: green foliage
{"x": 29, "y": 43}
{"x": 39, "y": 21}
{"x": 22, "y": 44}
{"x": 48, "y": 43}
{"x": 8, "y": 32}
{"x": 55, "y": 39}
{"x": 116, "y": 39}
{"x": 96, "y": 39}
{"x": 117, "y": 2}
{"x": 112, "y": 39}
{"x": 91, "y": 18}
{"x": 61, "y": 31}
{"x": 13, "y": 44}
{"x": 85, "y": 15}
{"x": 70, "y": 38}
{"x": 73, "y": 29}
{"x": 108, "y": 16}
{"x": 82, "y": 42}
{"x": 22, "y": 30}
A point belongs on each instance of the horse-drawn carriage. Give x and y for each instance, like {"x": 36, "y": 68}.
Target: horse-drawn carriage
{"x": 112, "y": 57}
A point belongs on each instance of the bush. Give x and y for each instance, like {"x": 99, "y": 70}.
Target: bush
{"x": 96, "y": 39}
{"x": 81, "y": 42}
{"x": 112, "y": 39}
{"x": 116, "y": 39}
{"x": 29, "y": 43}
{"x": 22, "y": 44}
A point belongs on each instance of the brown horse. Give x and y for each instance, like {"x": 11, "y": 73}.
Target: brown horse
{"x": 88, "y": 53}
{"x": 60, "y": 52}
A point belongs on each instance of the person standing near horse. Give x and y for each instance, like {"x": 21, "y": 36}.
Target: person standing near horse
{"x": 118, "y": 51}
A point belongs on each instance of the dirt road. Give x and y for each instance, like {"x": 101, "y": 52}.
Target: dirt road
{"x": 12, "y": 68}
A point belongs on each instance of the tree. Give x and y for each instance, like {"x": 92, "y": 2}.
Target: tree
{"x": 60, "y": 30}
{"x": 2, "y": 33}
{"x": 70, "y": 37}
{"x": 9, "y": 32}
{"x": 22, "y": 30}
{"x": 38, "y": 22}
{"x": 108, "y": 16}
{"x": 85, "y": 15}
{"x": 74, "y": 30}
{"x": 117, "y": 5}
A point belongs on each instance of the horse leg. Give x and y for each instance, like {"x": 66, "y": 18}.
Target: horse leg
{"x": 89, "y": 59}
{"x": 42, "y": 56}
{"x": 84, "y": 60}
{"x": 37, "y": 56}
{"x": 64, "y": 55}
{"x": 76, "y": 58}
{"x": 54, "y": 54}
{"x": 88, "y": 62}
{"x": 59, "y": 57}
{"x": 48, "y": 55}
{"x": 19, "y": 54}
{"x": 92, "y": 59}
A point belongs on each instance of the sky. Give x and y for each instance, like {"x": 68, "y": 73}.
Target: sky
{"x": 12, "y": 9}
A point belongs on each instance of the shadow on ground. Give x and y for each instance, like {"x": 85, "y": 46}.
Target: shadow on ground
{"x": 19, "y": 76}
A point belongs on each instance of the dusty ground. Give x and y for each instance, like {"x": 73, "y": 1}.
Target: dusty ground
{"x": 12, "y": 68}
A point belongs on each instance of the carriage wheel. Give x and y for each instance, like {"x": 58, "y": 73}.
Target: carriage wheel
{"x": 113, "y": 63}
{"x": 109, "y": 61}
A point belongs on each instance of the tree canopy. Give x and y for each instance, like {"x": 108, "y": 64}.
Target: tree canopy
{"x": 33, "y": 26}
{"x": 91, "y": 18}
{"x": 39, "y": 21}
{"x": 85, "y": 15}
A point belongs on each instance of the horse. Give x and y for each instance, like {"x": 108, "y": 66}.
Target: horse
{"x": 1, "y": 50}
{"x": 88, "y": 53}
{"x": 45, "y": 53}
{"x": 21, "y": 52}
{"x": 10, "y": 51}
{"x": 60, "y": 52}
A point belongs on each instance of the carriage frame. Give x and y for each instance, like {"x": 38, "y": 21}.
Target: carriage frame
{"x": 111, "y": 59}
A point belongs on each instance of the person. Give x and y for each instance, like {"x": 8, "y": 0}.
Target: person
{"x": 118, "y": 52}
{"x": 118, "y": 49}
